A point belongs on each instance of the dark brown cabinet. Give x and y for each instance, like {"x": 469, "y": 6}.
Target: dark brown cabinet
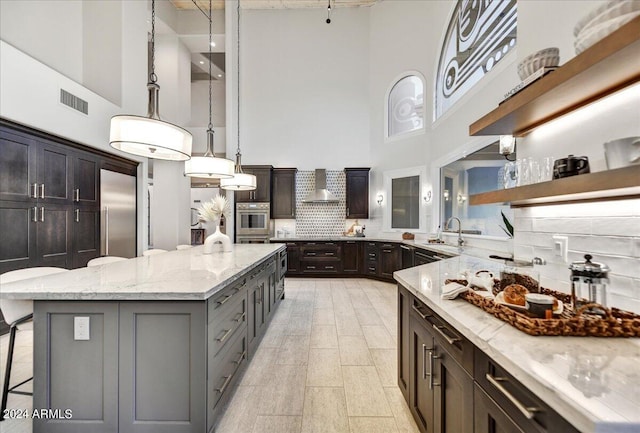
{"x": 86, "y": 235}
{"x": 357, "y": 192}
{"x": 352, "y": 257}
{"x": 320, "y": 258}
{"x": 404, "y": 300}
{"x": 293, "y": 258}
{"x": 371, "y": 254}
{"x": 390, "y": 259}
{"x": 283, "y": 197}
{"x": 262, "y": 193}
{"x": 421, "y": 372}
{"x": 86, "y": 185}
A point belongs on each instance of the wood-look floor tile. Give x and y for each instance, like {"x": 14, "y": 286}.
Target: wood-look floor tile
{"x": 278, "y": 424}
{"x": 241, "y": 413}
{"x": 378, "y": 337}
{"x": 274, "y": 336}
{"x": 386, "y": 362}
{"x": 401, "y": 412}
{"x": 372, "y": 425}
{"x": 299, "y": 324}
{"x": 354, "y": 350}
{"x": 285, "y": 393}
{"x": 325, "y": 411}
{"x": 260, "y": 366}
{"x": 294, "y": 350}
{"x": 324, "y": 368}
{"x": 324, "y": 316}
{"x": 347, "y": 324}
{"x": 364, "y": 392}
{"x": 368, "y": 317}
{"x": 324, "y": 337}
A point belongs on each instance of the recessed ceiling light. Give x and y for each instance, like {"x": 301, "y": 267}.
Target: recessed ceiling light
{"x": 213, "y": 44}
{"x": 201, "y": 62}
{"x": 219, "y": 75}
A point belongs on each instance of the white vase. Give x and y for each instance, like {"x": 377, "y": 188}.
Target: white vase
{"x": 217, "y": 241}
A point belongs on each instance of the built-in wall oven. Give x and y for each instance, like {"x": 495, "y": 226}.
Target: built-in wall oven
{"x": 252, "y": 223}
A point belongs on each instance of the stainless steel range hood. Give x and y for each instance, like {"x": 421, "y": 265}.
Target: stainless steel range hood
{"x": 321, "y": 194}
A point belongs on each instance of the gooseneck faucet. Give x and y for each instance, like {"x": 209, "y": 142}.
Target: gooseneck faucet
{"x": 446, "y": 227}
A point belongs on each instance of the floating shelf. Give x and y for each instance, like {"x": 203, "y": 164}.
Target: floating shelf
{"x": 620, "y": 183}
{"x": 609, "y": 65}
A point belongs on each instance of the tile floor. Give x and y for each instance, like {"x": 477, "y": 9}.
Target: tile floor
{"x": 327, "y": 363}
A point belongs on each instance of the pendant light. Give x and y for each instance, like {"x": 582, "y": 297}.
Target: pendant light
{"x": 240, "y": 181}
{"x": 208, "y": 166}
{"x": 149, "y": 136}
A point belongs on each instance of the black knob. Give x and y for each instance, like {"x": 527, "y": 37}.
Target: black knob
{"x": 328, "y": 20}
{"x": 588, "y": 257}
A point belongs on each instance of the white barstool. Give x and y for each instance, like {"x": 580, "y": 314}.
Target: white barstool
{"x": 184, "y": 247}
{"x": 153, "y": 251}
{"x": 18, "y": 312}
{"x": 104, "y": 260}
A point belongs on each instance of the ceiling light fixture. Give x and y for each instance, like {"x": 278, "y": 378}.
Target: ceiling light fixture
{"x": 329, "y": 13}
{"x": 213, "y": 44}
{"x": 208, "y": 166}
{"x": 149, "y": 136}
{"x": 240, "y": 181}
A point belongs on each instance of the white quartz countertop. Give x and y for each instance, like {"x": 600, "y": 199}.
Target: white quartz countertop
{"x": 594, "y": 383}
{"x": 174, "y": 275}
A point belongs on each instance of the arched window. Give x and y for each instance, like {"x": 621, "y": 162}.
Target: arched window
{"x": 479, "y": 35}
{"x": 405, "y": 106}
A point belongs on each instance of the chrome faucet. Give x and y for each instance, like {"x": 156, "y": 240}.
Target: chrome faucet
{"x": 446, "y": 227}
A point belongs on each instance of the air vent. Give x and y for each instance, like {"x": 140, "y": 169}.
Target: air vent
{"x": 74, "y": 102}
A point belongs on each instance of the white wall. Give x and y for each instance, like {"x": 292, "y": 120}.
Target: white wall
{"x": 304, "y": 88}
{"x": 200, "y": 103}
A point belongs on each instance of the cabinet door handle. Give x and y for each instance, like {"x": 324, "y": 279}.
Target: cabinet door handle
{"x": 239, "y": 317}
{"x": 431, "y": 366}
{"x": 311, "y": 254}
{"x": 224, "y": 335}
{"x": 528, "y": 412}
{"x": 449, "y": 340}
{"x": 404, "y": 247}
{"x": 420, "y": 313}
{"x": 372, "y": 254}
{"x": 42, "y": 214}
{"x": 372, "y": 269}
{"x": 227, "y": 379}
{"x": 42, "y": 191}
{"x": 77, "y": 215}
{"x": 329, "y": 267}
{"x": 76, "y": 195}
{"x": 311, "y": 267}
{"x": 35, "y": 214}
{"x": 242, "y": 355}
{"x": 329, "y": 253}
{"x": 424, "y": 362}
{"x": 35, "y": 190}
{"x": 226, "y": 298}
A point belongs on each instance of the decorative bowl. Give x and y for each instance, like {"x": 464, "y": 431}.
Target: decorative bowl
{"x": 543, "y": 58}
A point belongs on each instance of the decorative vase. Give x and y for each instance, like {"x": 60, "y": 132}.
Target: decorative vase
{"x": 217, "y": 241}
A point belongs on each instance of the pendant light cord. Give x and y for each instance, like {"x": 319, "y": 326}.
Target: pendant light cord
{"x": 152, "y": 75}
{"x": 238, "y": 75}
{"x": 210, "y": 55}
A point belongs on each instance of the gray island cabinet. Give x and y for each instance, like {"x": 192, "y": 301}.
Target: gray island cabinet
{"x": 167, "y": 338}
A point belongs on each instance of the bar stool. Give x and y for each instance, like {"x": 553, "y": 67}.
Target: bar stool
{"x": 104, "y": 260}
{"x": 183, "y": 247}
{"x": 153, "y": 251}
{"x": 18, "y": 312}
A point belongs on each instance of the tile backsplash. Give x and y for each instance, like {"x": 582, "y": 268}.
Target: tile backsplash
{"x": 320, "y": 219}
{"x": 608, "y": 230}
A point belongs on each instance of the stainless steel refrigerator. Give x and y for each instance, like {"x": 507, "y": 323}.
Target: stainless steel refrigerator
{"x": 118, "y": 219}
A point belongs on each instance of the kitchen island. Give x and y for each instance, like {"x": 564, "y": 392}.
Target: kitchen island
{"x": 150, "y": 344}
{"x": 501, "y": 378}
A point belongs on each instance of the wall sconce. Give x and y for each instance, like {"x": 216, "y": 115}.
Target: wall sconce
{"x": 461, "y": 198}
{"x": 507, "y": 146}
{"x": 427, "y": 198}
{"x": 379, "y": 199}
{"x": 446, "y": 195}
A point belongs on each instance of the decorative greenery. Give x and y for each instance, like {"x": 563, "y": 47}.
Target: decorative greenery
{"x": 214, "y": 209}
{"x": 508, "y": 227}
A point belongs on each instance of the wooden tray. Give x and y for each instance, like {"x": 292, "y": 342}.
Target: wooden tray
{"x": 617, "y": 323}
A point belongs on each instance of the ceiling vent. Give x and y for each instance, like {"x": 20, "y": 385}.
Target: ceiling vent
{"x": 74, "y": 102}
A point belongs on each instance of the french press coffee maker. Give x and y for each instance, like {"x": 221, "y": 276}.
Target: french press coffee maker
{"x": 588, "y": 284}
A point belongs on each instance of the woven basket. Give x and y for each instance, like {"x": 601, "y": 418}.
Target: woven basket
{"x": 617, "y": 323}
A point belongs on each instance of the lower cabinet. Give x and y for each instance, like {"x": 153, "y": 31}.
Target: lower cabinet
{"x": 452, "y": 386}
{"x": 352, "y": 257}
{"x": 390, "y": 259}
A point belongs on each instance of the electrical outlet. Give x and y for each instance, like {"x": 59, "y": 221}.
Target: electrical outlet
{"x": 561, "y": 247}
{"x": 81, "y": 329}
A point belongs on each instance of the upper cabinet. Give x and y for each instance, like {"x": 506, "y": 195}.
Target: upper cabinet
{"x": 283, "y": 203}
{"x": 609, "y": 65}
{"x": 262, "y": 193}
{"x": 357, "y": 189}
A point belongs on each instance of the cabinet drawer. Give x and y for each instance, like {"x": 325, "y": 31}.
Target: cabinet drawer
{"x": 223, "y": 374}
{"x": 214, "y": 308}
{"x": 318, "y": 266}
{"x": 446, "y": 337}
{"x": 525, "y": 408}
{"x": 222, "y": 331}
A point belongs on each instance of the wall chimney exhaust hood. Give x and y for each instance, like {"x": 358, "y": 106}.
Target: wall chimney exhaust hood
{"x": 321, "y": 195}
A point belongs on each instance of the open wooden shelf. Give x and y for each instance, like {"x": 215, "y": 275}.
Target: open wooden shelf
{"x": 620, "y": 183}
{"x": 609, "y": 65}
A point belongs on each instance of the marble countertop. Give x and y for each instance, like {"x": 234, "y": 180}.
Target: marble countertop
{"x": 594, "y": 383}
{"x": 174, "y": 275}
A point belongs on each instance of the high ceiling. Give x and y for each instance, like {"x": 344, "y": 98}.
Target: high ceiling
{"x": 271, "y": 4}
